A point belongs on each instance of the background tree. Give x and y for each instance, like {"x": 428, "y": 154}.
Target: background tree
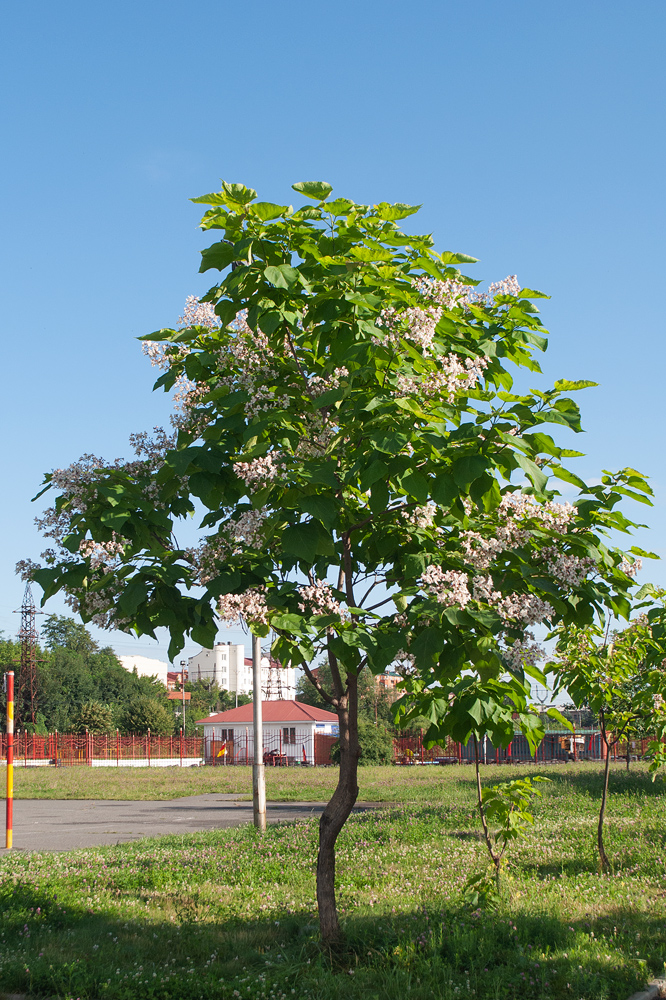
{"x": 144, "y": 714}
{"x": 621, "y": 678}
{"x": 347, "y": 420}
{"x": 59, "y": 631}
{"x": 93, "y": 717}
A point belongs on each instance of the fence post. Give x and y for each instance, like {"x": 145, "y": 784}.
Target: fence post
{"x": 148, "y": 746}
{"x": 575, "y": 745}
{"x": 181, "y": 744}
{"x": 117, "y": 748}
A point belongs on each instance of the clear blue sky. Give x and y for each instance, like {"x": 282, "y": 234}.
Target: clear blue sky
{"x": 533, "y": 134}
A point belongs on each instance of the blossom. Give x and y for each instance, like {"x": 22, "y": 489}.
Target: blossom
{"x": 251, "y": 606}
{"x": 198, "y": 313}
{"x": 448, "y": 586}
{"x": 103, "y": 553}
{"x": 456, "y": 376}
{"x": 319, "y": 599}
{"x": 421, "y": 517}
{"x": 629, "y": 567}
{"x": 260, "y": 471}
{"x": 523, "y": 651}
{"x": 568, "y": 570}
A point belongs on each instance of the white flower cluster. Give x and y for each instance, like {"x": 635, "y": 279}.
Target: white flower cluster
{"x": 260, "y": 471}
{"x": 527, "y": 609}
{"x": 319, "y": 599}
{"x": 421, "y": 517}
{"x": 550, "y": 514}
{"x": 451, "y": 293}
{"x": 448, "y": 586}
{"x": 568, "y": 570}
{"x": 523, "y": 651}
{"x": 631, "y": 568}
{"x": 414, "y": 323}
{"x": 103, "y": 555}
{"x": 197, "y": 313}
{"x": 250, "y": 606}
{"x": 25, "y": 569}
{"x": 233, "y": 538}
{"x": 318, "y": 385}
{"x": 455, "y": 377}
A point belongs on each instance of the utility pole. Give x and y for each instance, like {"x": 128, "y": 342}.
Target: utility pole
{"x": 183, "y": 664}
{"x": 258, "y": 774}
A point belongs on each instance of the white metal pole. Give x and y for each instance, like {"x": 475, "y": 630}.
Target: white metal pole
{"x": 258, "y": 775}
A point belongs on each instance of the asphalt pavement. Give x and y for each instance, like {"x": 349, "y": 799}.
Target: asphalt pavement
{"x": 64, "y": 825}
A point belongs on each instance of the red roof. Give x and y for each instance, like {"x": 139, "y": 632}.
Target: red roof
{"x": 272, "y": 711}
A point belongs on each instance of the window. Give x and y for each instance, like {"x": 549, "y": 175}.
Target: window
{"x": 227, "y": 734}
{"x": 288, "y": 735}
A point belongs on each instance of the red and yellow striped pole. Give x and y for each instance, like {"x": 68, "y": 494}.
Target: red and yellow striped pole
{"x": 9, "y": 690}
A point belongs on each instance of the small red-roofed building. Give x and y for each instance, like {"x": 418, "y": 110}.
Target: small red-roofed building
{"x": 294, "y": 733}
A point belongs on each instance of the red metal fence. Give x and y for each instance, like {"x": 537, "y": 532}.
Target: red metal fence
{"x": 111, "y": 748}
{"x": 66, "y": 749}
{"x": 585, "y": 744}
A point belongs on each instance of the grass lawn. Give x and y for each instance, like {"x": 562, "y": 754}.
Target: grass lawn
{"x": 229, "y": 915}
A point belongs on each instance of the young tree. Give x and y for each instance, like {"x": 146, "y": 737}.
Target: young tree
{"x": 621, "y": 678}
{"x": 347, "y": 419}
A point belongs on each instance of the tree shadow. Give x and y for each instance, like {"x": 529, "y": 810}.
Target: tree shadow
{"x": 53, "y": 948}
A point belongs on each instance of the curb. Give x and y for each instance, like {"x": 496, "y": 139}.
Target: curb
{"x": 655, "y": 989}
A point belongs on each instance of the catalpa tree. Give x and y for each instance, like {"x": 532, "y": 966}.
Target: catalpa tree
{"x": 347, "y": 423}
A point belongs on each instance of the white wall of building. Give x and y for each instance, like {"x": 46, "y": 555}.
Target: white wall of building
{"x": 145, "y": 667}
{"x": 225, "y": 665}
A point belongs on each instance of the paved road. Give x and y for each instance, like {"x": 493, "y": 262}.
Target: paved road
{"x": 62, "y": 825}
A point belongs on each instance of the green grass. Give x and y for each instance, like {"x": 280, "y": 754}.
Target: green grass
{"x": 228, "y": 914}
{"x": 294, "y": 784}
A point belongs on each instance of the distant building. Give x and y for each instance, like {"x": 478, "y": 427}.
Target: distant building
{"x": 291, "y": 732}
{"x": 145, "y": 667}
{"x": 175, "y": 679}
{"x": 227, "y": 666}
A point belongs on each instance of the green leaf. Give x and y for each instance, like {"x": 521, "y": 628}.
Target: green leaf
{"x": 267, "y": 210}
{"x": 468, "y": 468}
{"x": 566, "y": 385}
{"x": 282, "y": 276}
{"x": 376, "y": 470}
{"x": 458, "y": 258}
{"x": 217, "y": 198}
{"x": 391, "y": 213}
{"x": 567, "y": 476}
{"x": 416, "y": 485}
{"x": 219, "y": 256}
{"x": 317, "y": 190}
{"x": 532, "y": 471}
{"x": 307, "y": 541}
{"x": 444, "y": 490}
{"x": 132, "y": 596}
{"x": 323, "y": 508}
{"x": 340, "y": 206}
{"x": 239, "y": 193}
{"x": 428, "y": 645}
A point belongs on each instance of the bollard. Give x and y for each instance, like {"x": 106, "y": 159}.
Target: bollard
{"x": 9, "y": 691}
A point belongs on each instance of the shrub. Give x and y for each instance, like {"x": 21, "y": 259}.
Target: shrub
{"x": 375, "y": 742}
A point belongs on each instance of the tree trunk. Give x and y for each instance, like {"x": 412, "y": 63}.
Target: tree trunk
{"x": 605, "y": 864}
{"x": 479, "y": 798}
{"x": 336, "y": 813}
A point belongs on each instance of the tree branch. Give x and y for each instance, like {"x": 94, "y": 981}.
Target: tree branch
{"x": 318, "y": 685}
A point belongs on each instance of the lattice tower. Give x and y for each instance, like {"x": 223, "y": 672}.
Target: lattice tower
{"x": 273, "y": 689}
{"x": 26, "y": 689}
